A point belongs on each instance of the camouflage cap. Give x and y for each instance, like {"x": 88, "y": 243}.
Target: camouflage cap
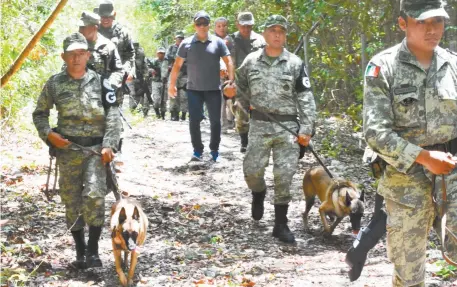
{"x": 88, "y": 19}
{"x": 136, "y": 44}
{"x": 276, "y": 20}
{"x": 245, "y": 18}
{"x": 423, "y": 9}
{"x": 179, "y": 34}
{"x": 106, "y": 8}
{"x": 75, "y": 41}
{"x": 161, "y": 50}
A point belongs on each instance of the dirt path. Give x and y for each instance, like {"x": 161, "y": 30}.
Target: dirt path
{"x": 200, "y": 227}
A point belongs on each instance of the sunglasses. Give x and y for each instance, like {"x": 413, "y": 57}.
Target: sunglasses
{"x": 199, "y": 24}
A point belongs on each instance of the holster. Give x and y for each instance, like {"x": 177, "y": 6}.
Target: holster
{"x": 376, "y": 163}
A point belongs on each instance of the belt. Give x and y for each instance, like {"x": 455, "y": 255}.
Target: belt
{"x": 280, "y": 118}
{"x": 450, "y": 146}
{"x": 85, "y": 141}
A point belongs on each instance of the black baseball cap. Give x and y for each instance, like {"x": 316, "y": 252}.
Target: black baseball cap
{"x": 201, "y": 14}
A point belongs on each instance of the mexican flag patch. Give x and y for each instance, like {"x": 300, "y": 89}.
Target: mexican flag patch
{"x": 372, "y": 70}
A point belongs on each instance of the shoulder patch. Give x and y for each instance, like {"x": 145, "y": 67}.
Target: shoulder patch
{"x": 108, "y": 94}
{"x": 372, "y": 70}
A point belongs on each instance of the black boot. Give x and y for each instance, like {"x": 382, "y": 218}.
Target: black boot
{"x": 367, "y": 238}
{"x": 80, "y": 244}
{"x": 92, "y": 258}
{"x": 281, "y": 230}
{"x": 244, "y": 142}
{"x": 162, "y": 115}
{"x": 157, "y": 112}
{"x": 175, "y": 116}
{"x": 257, "y": 204}
{"x": 183, "y": 116}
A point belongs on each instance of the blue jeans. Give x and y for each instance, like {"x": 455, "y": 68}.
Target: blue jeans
{"x": 213, "y": 103}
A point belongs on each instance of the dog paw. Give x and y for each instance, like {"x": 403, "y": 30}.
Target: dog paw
{"x": 123, "y": 280}
{"x": 130, "y": 283}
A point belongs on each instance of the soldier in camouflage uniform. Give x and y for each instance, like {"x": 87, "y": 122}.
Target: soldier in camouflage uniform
{"x": 410, "y": 113}
{"x": 140, "y": 97}
{"x": 104, "y": 58}
{"x": 274, "y": 81}
{"x": 86, "y": 119}
{"x": 120, "y": 37}
{"x": 245, "y": 41}
{"x": 180, "y": 102}
{"x": 156, "y": 82}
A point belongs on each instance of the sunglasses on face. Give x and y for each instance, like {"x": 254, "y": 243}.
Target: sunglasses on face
{"x": 199, "y": 24}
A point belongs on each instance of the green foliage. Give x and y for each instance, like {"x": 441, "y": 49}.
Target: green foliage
{"x": 447, "y": 271}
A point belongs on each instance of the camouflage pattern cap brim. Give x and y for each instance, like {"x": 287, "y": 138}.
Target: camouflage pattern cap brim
{"x": 246, "y": 18}
{"x": 75, "y": 41}
{"x": 274, "y": 20}
{"x": 423, "y": 9}
{"x": 161, "y": 50}
{"x": 88, "y": 19}
{"x": 440, "y": 12}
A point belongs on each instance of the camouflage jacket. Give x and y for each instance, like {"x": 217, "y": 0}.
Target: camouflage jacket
{"x": 79, "y": 107}
{"x": 167, "y": 64}
{"x": 156, "y": 66}
{"x": 241, "y": 47}
{"x": 123, "y": 41}
{"x": 406, "y": 108}
{"x": 281, "y": 87}
{"x": 105, "y": 58}
{"x": 141, "y": 69}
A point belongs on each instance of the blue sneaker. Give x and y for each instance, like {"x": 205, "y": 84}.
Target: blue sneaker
{"x": 196, "y": 156}
{"x": 214, "y": 155}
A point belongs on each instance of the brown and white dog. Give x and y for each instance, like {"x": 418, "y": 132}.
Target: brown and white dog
{"x": 338, "y": 197}
{"x": 129, "y": 228}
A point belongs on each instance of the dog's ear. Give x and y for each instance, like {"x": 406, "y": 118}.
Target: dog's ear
{"x": 136, "y": 214}
{"x": 362, "y": 196}
{"x": 113, "y": 233}
{"x": 122, "y": 216}
{"x": 348, "y": 199}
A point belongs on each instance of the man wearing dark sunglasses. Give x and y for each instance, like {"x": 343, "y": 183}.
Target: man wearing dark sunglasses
{"x": 202, "y": 53}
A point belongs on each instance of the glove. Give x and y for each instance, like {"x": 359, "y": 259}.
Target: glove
{"x": 57, "y": 140}
{"x": 107, "y": 155}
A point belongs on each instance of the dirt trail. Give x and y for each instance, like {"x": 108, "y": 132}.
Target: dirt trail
{"x": 200, "y": 227}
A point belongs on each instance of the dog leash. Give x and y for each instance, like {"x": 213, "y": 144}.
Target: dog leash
{"x": 443, "y": 216}
{"x": 310, "y": 146}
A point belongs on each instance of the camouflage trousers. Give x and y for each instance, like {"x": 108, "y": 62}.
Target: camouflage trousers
{"x": 159, "y": 98}
{"x": 285, "y": 161}
{"x": 82, "y": 184}
{"x": 241, "y": 117}
{"x": 226, "y": 114}
{"x": 180, "y": 104}
{"x": 408, "y": 229}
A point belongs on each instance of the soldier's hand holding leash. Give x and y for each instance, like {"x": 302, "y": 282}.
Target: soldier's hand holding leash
{"x": 57, "y": 140}
{"x": 437, "y": 162}
{"x": 107, "y": 155}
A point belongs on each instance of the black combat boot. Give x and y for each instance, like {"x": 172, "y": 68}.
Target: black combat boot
{"x": 183, "y": 116}
{"x": 281, "y": 230}
{"x": 257, "y": 204}
{"x": 80, "y": 244}
{"x": 157, "y": 112}
{"x": 367, "y": 238}
{"x": 175, "y": 116}
{"x": 92, "y": 258}
{"x": 244, "y": 142}
{"x": 162, "y": 115}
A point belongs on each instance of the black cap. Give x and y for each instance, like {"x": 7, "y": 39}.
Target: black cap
{"x": 106, "y": 8}
{"x": 201, "y": 14}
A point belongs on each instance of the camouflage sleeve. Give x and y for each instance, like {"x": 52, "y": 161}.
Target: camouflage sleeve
{"x": 41, "y": 114}
{"x": 378, "y": 121}
{"x": 164, "y": 69}
{"x": 113, "y": 128}
{"x": 306, "y": 106}
{"x": 242, "y": 85}
{"x": 128, "y": 54}
{"x": 116, "y": 68}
